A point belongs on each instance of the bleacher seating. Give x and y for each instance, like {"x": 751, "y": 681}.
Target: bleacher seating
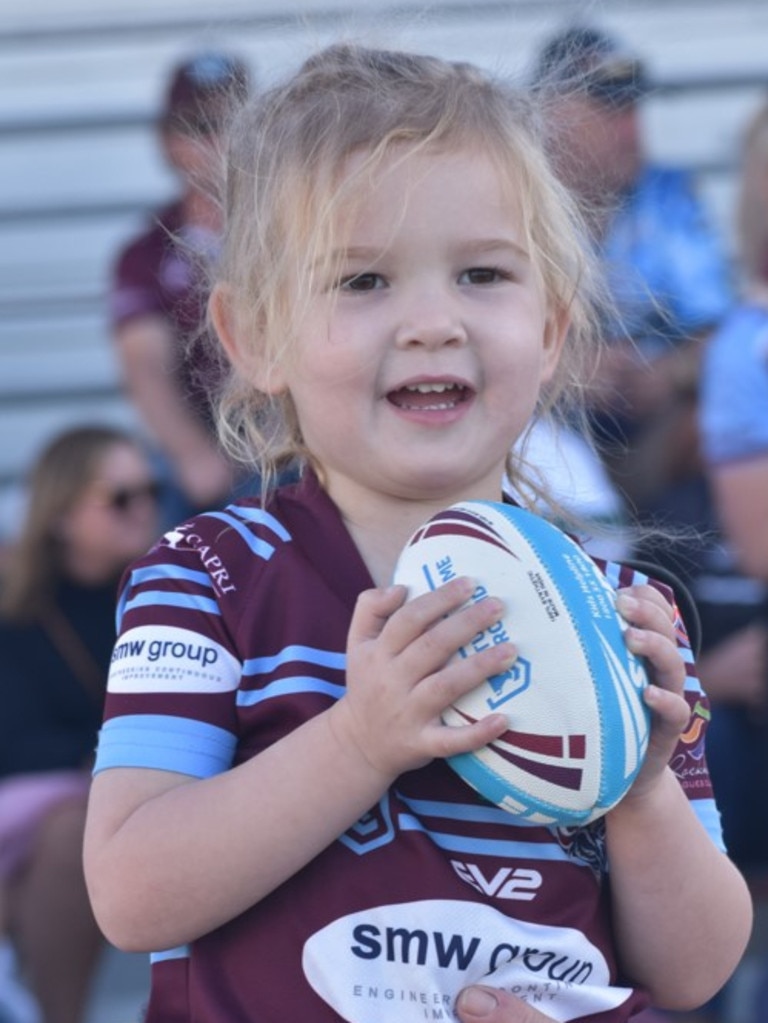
{"x": 79, "y": 85}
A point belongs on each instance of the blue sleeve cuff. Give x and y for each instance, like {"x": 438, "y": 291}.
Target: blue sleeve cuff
{"x": 165, "y": 743}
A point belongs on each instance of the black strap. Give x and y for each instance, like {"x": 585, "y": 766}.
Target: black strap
{"x": 74, "y": 652}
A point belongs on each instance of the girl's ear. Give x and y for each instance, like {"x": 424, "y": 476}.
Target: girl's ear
{"x": 555, "y": 332}
{"x": 243, "y": 350}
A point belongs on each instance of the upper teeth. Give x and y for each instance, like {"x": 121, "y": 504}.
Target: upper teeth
{"x": 430, "y": 388}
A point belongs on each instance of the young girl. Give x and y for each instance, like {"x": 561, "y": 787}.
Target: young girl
{"x": 400, "y": 290}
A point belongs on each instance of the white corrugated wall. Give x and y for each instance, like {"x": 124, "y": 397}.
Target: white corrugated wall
{"x": 72, "y": 192}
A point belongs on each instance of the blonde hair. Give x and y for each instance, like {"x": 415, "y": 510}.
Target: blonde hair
{"x": 59, "y": 477}
{"x": 752, "y": 203}
{"x": 286, "y": 185}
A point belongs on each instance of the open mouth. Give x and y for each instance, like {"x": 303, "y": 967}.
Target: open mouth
{"x": 429, "y": 397}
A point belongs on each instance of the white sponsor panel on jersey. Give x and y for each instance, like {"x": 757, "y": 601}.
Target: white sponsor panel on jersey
{"x": 165, "y": 658}
{"x": 407, "y": 962}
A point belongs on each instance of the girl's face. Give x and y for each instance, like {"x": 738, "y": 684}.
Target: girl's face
{"x": 418, "y": 367}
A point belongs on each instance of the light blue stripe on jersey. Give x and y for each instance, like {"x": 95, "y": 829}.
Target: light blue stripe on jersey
{"x": 705, "y": 809}
{"x": 487, "y": 846}
{"x": 289, "y": 687}
{"x": 259, "y": 547}
{"x": 180, "y": 952}
{"x": 165, "y": 743}
{"x": 161, "y": 598}
{"x": 475, "y": 812}
{"x": 307, "y": 654}
{"x": 707, "y": 812}
{"x": 152, "y": 573}
{"x": 692, "y": 682}
{"x": 261, "y": 518}
{"x": 613, "y": 573}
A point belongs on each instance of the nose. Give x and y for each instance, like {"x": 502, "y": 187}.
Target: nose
{"x": 431, "y": 320}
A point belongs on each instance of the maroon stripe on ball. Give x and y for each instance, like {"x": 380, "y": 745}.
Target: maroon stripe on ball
{"x": 545, "y": 745}
{"x": 564, "y": 777}
{"x": 577, "y": 746}
{"x": 453, "y": 528}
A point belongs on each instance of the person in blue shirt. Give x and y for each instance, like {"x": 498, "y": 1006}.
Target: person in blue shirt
{"x": 734, "y": 427}
{"x": 735, "y": 392}
{"x": 668, "y": 276}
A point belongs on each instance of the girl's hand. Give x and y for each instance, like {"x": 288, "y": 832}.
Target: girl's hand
{"x": 651, "y": 635}
{"x": 493, "y": 1005}
{"x": 401, "y": 674}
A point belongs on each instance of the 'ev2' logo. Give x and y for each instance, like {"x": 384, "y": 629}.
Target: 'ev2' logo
{"x": 507, "y": 883}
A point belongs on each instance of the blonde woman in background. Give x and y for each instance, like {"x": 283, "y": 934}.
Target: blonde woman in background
{"x": 92, "y": 507}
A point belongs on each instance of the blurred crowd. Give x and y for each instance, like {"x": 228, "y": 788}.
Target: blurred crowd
{"x": 674, "y": 473}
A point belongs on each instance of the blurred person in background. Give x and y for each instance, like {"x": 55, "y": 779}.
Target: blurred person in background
{"x": 666, "y": 269}
{"x": 735, "y": 400}
{"x": 670, "y": 286}
{"x": 158, "y": 296}
{"x": 734, "y": 422}
{"x": 574, "y": 488}
{"x": 91, "y": 509}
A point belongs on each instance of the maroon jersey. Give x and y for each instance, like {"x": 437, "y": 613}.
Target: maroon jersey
{"x": 233, "y": 631}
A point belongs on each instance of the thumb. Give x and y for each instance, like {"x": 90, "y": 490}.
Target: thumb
{"x": 373, "y": 610}
{"x": 495, "y": 1006}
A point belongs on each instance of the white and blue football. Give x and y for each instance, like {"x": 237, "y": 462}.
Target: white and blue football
{"x": 578, "y": 724}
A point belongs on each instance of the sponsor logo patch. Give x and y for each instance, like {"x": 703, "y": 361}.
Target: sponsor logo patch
{"x": 407, "y": 962}
{"x": 183, "y": 539}
{"x": 166, "y": 658}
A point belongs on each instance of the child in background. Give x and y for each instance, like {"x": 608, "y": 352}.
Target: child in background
{"x": 403, "y": 284}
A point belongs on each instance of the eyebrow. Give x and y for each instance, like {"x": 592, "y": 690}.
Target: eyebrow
{"x": 369, "y": 254}
{"x": 365, "y": 253}
{"x": 496, "y": 244}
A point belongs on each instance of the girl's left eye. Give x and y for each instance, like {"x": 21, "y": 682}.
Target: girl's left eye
{"x": 362, "y": 282}
{"x": 483, "y": 275}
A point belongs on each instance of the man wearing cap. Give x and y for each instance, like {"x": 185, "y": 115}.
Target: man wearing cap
{"x": 665, "y": 267}
{"x": 158, "y": 300}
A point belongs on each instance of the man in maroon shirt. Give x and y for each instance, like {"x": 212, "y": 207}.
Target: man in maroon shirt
{"x": 158, "y": 295}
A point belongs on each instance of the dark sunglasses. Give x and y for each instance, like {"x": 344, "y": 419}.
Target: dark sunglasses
{"x": 121, "y": 499}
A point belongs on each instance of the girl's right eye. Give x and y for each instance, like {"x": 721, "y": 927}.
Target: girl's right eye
{"x": 361, "y": 282}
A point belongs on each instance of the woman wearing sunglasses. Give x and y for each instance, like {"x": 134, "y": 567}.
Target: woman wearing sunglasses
{"x": 91, "y": 509}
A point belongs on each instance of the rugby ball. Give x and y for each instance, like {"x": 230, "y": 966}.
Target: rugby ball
{"x": 578, "y": 724}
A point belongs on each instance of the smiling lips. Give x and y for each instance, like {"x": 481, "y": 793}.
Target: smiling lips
{"x": 429, "y": 397}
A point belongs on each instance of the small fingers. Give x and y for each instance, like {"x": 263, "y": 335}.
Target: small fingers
{"x": 432, "y": 627}
{"x": 463, "y": 674}
{"x": 651, "y": 634}
{"x": 493, "y": 1005}
{"x": 421, "y": 613}
{"x": 671, "y": 709}
{"x": 646, "y": 608}
{"x": 470, "y": 629}
{"x": 373, "y": 610}
{"x": 450, "y": 740}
